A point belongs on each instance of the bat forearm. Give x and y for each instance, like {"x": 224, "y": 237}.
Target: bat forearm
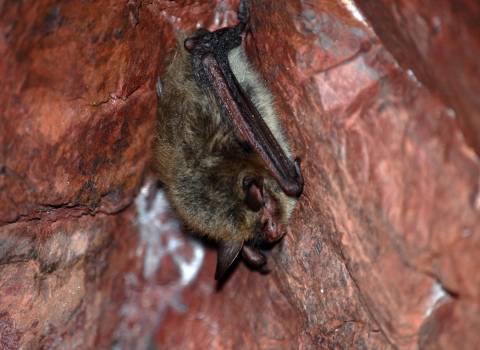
{"x": 252, "y": 127}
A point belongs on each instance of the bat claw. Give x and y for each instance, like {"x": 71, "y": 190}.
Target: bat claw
{"x": 243, "y": 13}
{"x": 159, "y": 88}
{"x": 299, "y": 177}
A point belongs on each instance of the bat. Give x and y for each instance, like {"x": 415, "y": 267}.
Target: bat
{"x": 220, "y": 150}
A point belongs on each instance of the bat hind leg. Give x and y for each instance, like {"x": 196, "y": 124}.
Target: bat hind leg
{"x": 255, "y": 258}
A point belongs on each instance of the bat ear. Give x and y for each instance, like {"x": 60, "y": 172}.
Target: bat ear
{"x": 253, "y": 189}
{"x": 255, "y": 258}
{"x": 227, "y": 252}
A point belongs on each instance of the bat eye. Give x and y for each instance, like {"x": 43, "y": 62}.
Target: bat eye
{"x": 253, "y": 193}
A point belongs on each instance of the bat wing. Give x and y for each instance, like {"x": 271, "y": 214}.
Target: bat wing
{"x": 252, "y": 126}
{"x": 212, "y": 69}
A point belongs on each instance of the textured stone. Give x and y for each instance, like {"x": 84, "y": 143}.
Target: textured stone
{"x": 77, "y": 107}
{"x": 438, "y": 41}
{"x": 381, "y": 252}
{"x": 452, "y": 326}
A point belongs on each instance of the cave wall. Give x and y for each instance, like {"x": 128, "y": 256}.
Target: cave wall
{"x": 381, "y": 109}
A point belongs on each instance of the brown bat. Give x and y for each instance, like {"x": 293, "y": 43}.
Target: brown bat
{"x": 220, "y": 150}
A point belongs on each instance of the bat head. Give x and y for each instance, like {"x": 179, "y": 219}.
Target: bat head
{"x": 263, "y": 195}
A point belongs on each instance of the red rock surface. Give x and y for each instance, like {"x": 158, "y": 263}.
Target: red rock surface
{"x": 439, "y": 42}
{"x": 382, "y": 251}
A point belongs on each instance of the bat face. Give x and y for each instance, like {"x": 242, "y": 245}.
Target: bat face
{"x": 220, "y": 150}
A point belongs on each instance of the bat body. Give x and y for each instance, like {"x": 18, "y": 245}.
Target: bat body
{"x": 220, "y": 150}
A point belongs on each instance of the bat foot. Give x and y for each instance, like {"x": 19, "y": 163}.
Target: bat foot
{"x": 243, "y": 13}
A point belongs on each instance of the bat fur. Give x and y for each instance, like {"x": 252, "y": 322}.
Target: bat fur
{"x": 202, "y": 159}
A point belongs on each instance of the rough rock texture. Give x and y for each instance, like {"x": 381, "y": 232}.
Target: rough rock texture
{"x": 382, "y": 251}
{"x": 439, "y": 42}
